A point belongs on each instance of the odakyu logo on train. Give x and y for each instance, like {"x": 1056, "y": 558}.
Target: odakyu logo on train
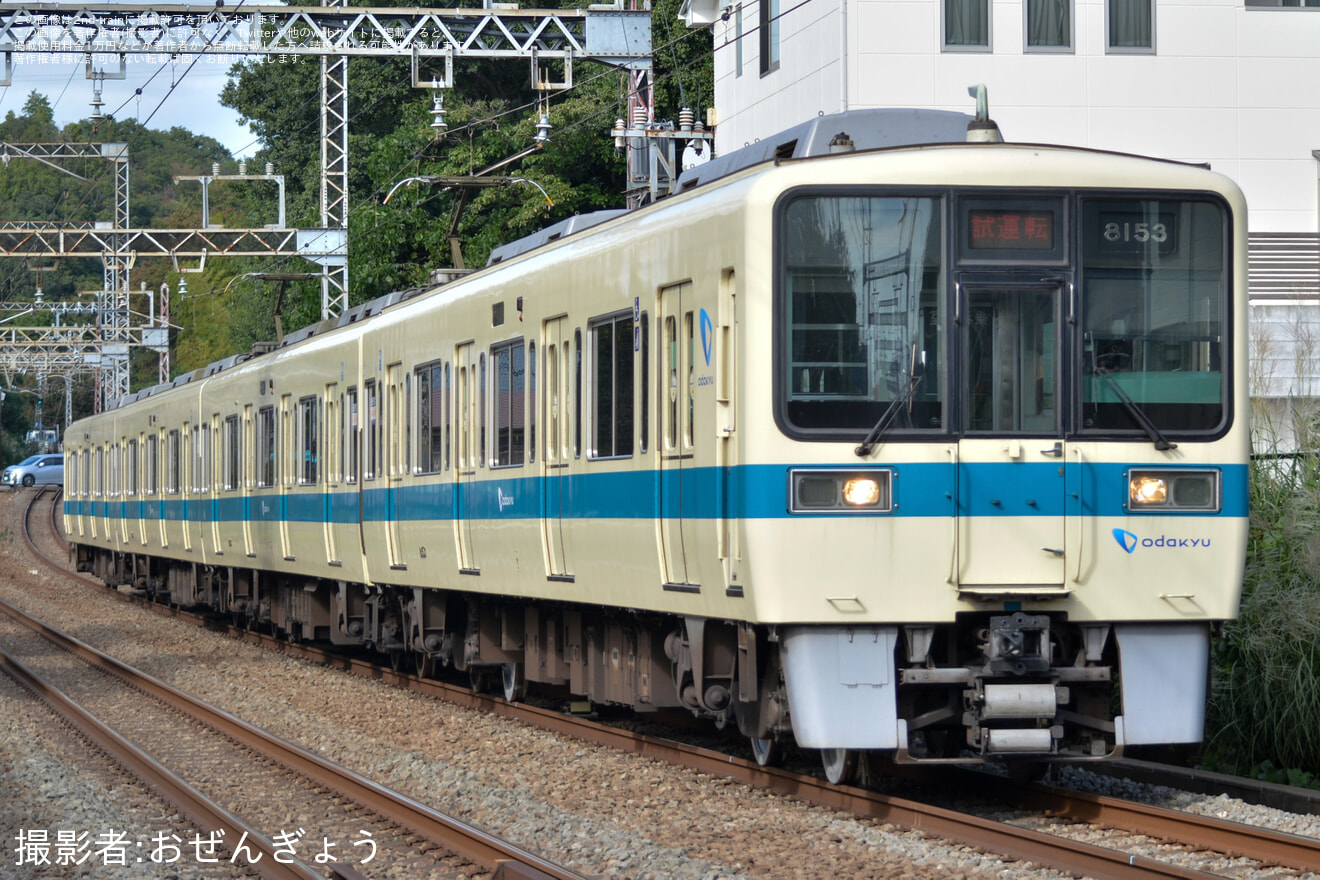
{"x": 707, "y": 334}
{"x": 504, "y": 500}
{"x": 1130, "y": 542}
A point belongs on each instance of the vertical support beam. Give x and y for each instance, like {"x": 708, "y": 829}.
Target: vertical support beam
{"x": 112, "y": 378}
{"x": 641, "y": 114}
{"x": 334, "y": 173}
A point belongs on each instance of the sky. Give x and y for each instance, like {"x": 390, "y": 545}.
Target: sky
{"x": 193, "y": 104}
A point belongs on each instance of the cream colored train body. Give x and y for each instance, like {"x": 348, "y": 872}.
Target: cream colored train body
{"x": 921, "y": 449}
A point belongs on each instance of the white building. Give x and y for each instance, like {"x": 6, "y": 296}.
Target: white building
{"x": 1212, "y": 81}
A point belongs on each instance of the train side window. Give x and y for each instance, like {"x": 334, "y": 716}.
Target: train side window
{"x": 644, "y": 411}
{"x": 172, "y": 463}
{"x": 152, "y": 466}
{"x": 265, "y": 447}
{"x": 428, "y": 425}
{"x": 372, "y": 464}
{"x": 353, "y": 445}
{"x": 612, "y": 386}
{"x": 510, "y": 401}
{"x": 531, "y": 401}
{"x": 229, "y": 452}
{"x": 577, "y": 393}
{"x": 308, "y": 441}
{"x": 114, "y": 469}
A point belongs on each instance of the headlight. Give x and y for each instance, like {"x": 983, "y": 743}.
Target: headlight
{"x": 825, "y": 491}
{"x": 1173, "y": 490}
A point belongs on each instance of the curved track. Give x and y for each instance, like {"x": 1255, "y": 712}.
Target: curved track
{"x": 221, "y": 746}
{"x": 1178, "y": 828}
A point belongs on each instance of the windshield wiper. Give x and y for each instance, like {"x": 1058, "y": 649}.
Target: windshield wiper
{"x": 1137, "y": 413}
{"x": 887, "y": 416}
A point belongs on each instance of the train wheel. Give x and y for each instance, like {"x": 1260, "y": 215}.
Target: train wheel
{"x": 511, "y": 676}
{"x": 767, "y": 752}
{"x": 840, "y": 765}
{"x": 479, "y": 679}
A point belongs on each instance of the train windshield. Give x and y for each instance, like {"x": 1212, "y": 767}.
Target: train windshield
{"x": 1153, "y": 297}
{"x": 863, "y": 281}
{"x": 1062, "y": 314}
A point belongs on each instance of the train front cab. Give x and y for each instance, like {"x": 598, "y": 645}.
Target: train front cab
{"x": 1048, "y": 500}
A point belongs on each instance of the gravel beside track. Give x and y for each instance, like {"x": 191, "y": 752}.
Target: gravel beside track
{"x": 581, "y": 805}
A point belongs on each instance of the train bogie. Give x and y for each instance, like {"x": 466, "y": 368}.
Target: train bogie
{"x": 936, "y": 450}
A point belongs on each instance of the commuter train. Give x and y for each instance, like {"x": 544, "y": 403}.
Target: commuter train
{"x": 882, "y": 435}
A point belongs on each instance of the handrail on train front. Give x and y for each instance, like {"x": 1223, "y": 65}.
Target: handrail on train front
{"x": 952, "y": 580}
{"x": 1081, "y": 520}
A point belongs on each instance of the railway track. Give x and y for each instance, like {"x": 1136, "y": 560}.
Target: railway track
{"x": 1060, "y": 810}
{"x": 237, "y": 784}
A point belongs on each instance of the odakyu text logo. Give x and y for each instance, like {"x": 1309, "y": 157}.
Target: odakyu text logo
{"x": 707, "y": 334}
{"x": 1130, "y": 542}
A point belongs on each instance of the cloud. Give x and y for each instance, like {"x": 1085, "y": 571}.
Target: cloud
{"x": 171, "y": 94}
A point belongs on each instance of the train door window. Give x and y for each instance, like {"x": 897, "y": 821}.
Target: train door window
{"x": 1011, "y": 356}
{"x": 611, "y": 386}
{"x": 354, "y": 440}
{"x": 481, "y": 410}
{"x": 230, "y": 452}
{"x": 510, "y": 403}
{"x": 461, "y": 398}
{"x": 644, "y": 386}
{"x": 372, "y": 463}
{"x": 308, "y": 441}
{"x": 531, "y": 401}
{"x": 172, "y": 463}
{"x": 689, "y": 336}
{"x": 286, "y": 472}
{"x": 131, "y": 468}
{"x": 552, "y": 391}
{"x": 330, "y": 464}
{"x": 407, "y": 443}
{"x": 100, "y": 471}
{"x": 447, "y": 415}
{"x": 265, "y": 447}
{"x": 152, "y": 465}
{"x": 577, "y": 393}
{"x": 391, "y": 423}
{"x": 671, "y": 368}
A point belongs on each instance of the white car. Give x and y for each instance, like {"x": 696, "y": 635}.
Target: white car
{"x": 35, "y": 469}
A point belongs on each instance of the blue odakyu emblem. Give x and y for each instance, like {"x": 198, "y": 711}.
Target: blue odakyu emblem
{"x": 707, "y": 334}
{"x": 1125, "y": 539}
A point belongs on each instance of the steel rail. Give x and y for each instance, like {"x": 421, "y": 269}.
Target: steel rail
{"x": 985, "y": 834}
{"x": 506, "y": 859}
{"x": 209, "y": 816}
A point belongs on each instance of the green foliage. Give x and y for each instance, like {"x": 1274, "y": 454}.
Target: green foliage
{"x": 1265, "y": 693}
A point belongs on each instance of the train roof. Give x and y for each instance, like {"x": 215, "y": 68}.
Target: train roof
{"x": 873, "y": 129}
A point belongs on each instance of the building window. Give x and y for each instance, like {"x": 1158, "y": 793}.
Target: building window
{"x": 612, "y": 386}
{"x": 510, "y": 403}
{"x": 1283, "y": 4}
{"x": 1130, "y": 25}
{"x": 737, "y": 41}
{"x": 1049, "y": 25}
{"x": 966, "y": 25}
{"x": 768, "y": 28}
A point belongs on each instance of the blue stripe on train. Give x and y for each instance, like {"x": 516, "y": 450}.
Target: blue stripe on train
{"x": 745, "y": 492}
